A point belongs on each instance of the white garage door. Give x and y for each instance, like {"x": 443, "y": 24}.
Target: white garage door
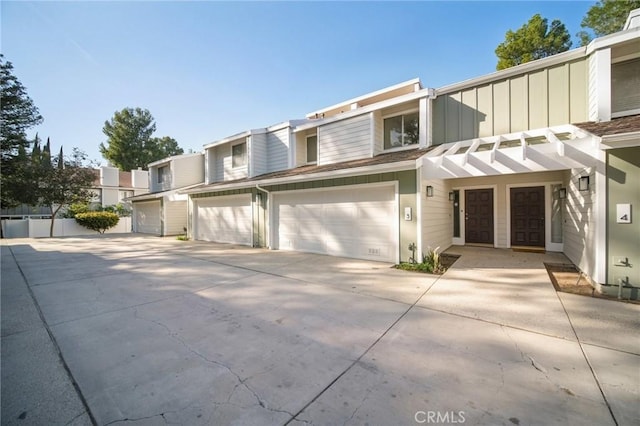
{"x": 224, "y": 219}
{"x": 359, "y": 222}
{"x": 147, "y": 217}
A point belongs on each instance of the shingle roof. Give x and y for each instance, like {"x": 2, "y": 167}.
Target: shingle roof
{"x": 613, "y": 127}
{"x": 386, "y": 158}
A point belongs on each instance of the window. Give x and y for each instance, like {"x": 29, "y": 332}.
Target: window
{"x": 239, "y": 155}
{"x": 401, "y": 130}
{"x": 163, "y": 174}
{"x": 625, "y": 86}
{"x": 312, "y": 149}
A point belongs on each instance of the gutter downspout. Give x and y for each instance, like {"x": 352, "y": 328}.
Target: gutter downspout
{"x": 268, "y": 221}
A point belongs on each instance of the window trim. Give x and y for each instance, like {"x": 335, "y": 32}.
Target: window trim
{"x": 398, "y": 114}
{"x": 246, "y": 156}
{"x": 307, "y": 149}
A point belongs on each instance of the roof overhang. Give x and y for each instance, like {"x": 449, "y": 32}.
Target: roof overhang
{"x": 621, "y": 140}
{"x": 546, "y": 149}
{"x": 348, "y": 172}
{"x": 174, "y": 157}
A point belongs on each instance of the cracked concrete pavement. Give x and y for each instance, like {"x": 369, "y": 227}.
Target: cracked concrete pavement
{"x": 126, "y": 329}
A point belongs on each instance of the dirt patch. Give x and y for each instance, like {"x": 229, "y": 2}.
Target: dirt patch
{"x": 567, "y": 278}
{"x": 448, "y": 259}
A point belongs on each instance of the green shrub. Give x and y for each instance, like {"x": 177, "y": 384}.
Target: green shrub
{"x": 97, "y": 221}
{"x": 75, "y": 209}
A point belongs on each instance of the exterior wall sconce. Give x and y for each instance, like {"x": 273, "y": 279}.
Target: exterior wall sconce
{"x": 562, "y": 193}
{"x": 452, "y": 196}
{"x": 583, "y": 183}
{"x": 429, "y": 191}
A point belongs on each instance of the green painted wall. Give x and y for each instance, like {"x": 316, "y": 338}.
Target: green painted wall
{"x": 407, "y": 198}
{"x": 623, "y": 240}
{"x": 541, "y": 98}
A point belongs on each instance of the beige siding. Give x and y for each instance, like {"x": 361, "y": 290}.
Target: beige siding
{"x": 175, "y": 217}
{"x": 519, "y": 108}
{"x": 259, "y": 154}
{"x": 437, "y": 216}
{"x": 578, "y": 89}
{"x": 345, "y": 140}
{"x": 542, "y": 98}
{"x": 579, "y": 221}
{"x": 278, "y": 150}
{"x": 378, "y": 133}
{"x": 187, "y": 171}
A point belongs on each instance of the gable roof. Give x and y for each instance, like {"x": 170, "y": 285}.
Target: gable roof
{"x": 616, "y": 126}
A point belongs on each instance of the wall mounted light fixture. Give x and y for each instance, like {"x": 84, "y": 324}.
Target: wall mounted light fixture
{"x": 452, "y": 196}
{"x": 429, "y": 191}
{"x": 583, "y": 183}
{"x": 562, "y": 193}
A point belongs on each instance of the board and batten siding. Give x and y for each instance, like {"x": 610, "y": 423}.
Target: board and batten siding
{"x": 175, "y": 217}
{"x": 187, "y": 171}
{"x": 345, "y": 140}
{"x": 258, "y": 155}
{"x": 278, "y": 150}
{"x": 541, "y": 98}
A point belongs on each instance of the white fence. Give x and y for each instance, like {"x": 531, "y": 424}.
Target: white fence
{"x": 37, "y": 228}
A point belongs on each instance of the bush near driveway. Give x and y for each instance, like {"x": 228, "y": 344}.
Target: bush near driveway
{"x": 97, "y": 221}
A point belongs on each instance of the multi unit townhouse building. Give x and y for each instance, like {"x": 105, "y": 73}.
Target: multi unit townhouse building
{"x": 543, "y": 156}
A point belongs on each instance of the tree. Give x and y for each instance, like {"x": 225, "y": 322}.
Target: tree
{"x": 130, "y": 143}
{"x": 605, "y": 17}
{"x": 534, "y": 40}
{"x": 17, "y": 114}
{"x": 61, "y": 181}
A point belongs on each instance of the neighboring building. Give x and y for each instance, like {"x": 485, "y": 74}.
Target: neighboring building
{"x": 541, "y": 156}
{"x": 164, "y": 211}
{"x": 110, "y": 187}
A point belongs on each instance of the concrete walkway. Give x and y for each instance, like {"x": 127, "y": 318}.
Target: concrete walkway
{"x": 127, "y": 329}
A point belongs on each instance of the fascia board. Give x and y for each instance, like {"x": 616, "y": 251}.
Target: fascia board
{"x": 356, "y": 171}
{"x": 518, "y": 69}
{"x": 365, "y": 96}
{"x": 365, "y": 110}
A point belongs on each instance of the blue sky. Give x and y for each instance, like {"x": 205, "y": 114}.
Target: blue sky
{"x": 207, "y": 70}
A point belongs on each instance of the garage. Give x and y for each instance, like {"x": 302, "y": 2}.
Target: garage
{"x": 147, "y": 217}
{"x": 225, "y": 219}
{"x": 357, "y": 221}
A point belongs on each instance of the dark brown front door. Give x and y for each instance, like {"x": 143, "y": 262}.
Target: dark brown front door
{"x": 527, "y": 216}
{"x": 479, "y": 216}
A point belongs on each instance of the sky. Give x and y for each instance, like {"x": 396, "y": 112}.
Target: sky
{"x": 207, "y": 70}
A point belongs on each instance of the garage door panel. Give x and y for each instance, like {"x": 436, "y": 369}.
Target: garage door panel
{"x": 360, "y": 223}
{"x": 147, "y": 217}
{"x": 224, "y": 219}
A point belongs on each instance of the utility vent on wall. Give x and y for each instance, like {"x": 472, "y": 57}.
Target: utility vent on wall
{"x": 374, "y": 251}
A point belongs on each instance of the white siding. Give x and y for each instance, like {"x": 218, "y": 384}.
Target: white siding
{"x": 258, "y": 154}
{"x": 345, "y": 140}
{"x": 579, "y": 222}
{"x": 187, "y": 171}
{"x": 218, "y": 161}
{"x": 175, "y": 217}
{"x": 110, "y": 196}
{"x": 278, "y": 150}
{"x": 378, "y": 133}
{"x": 437, "y": 217}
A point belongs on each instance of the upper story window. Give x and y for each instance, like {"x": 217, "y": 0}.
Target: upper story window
{"x": 401, "y": 130}
{"x": 625, "y": 87}
{"x": 163, "y": 174}
{"x": 239, "y": 155}
{"x": 312, "y": 149}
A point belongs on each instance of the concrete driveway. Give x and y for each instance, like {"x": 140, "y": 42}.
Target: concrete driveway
{"x": 146, "y": 331}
